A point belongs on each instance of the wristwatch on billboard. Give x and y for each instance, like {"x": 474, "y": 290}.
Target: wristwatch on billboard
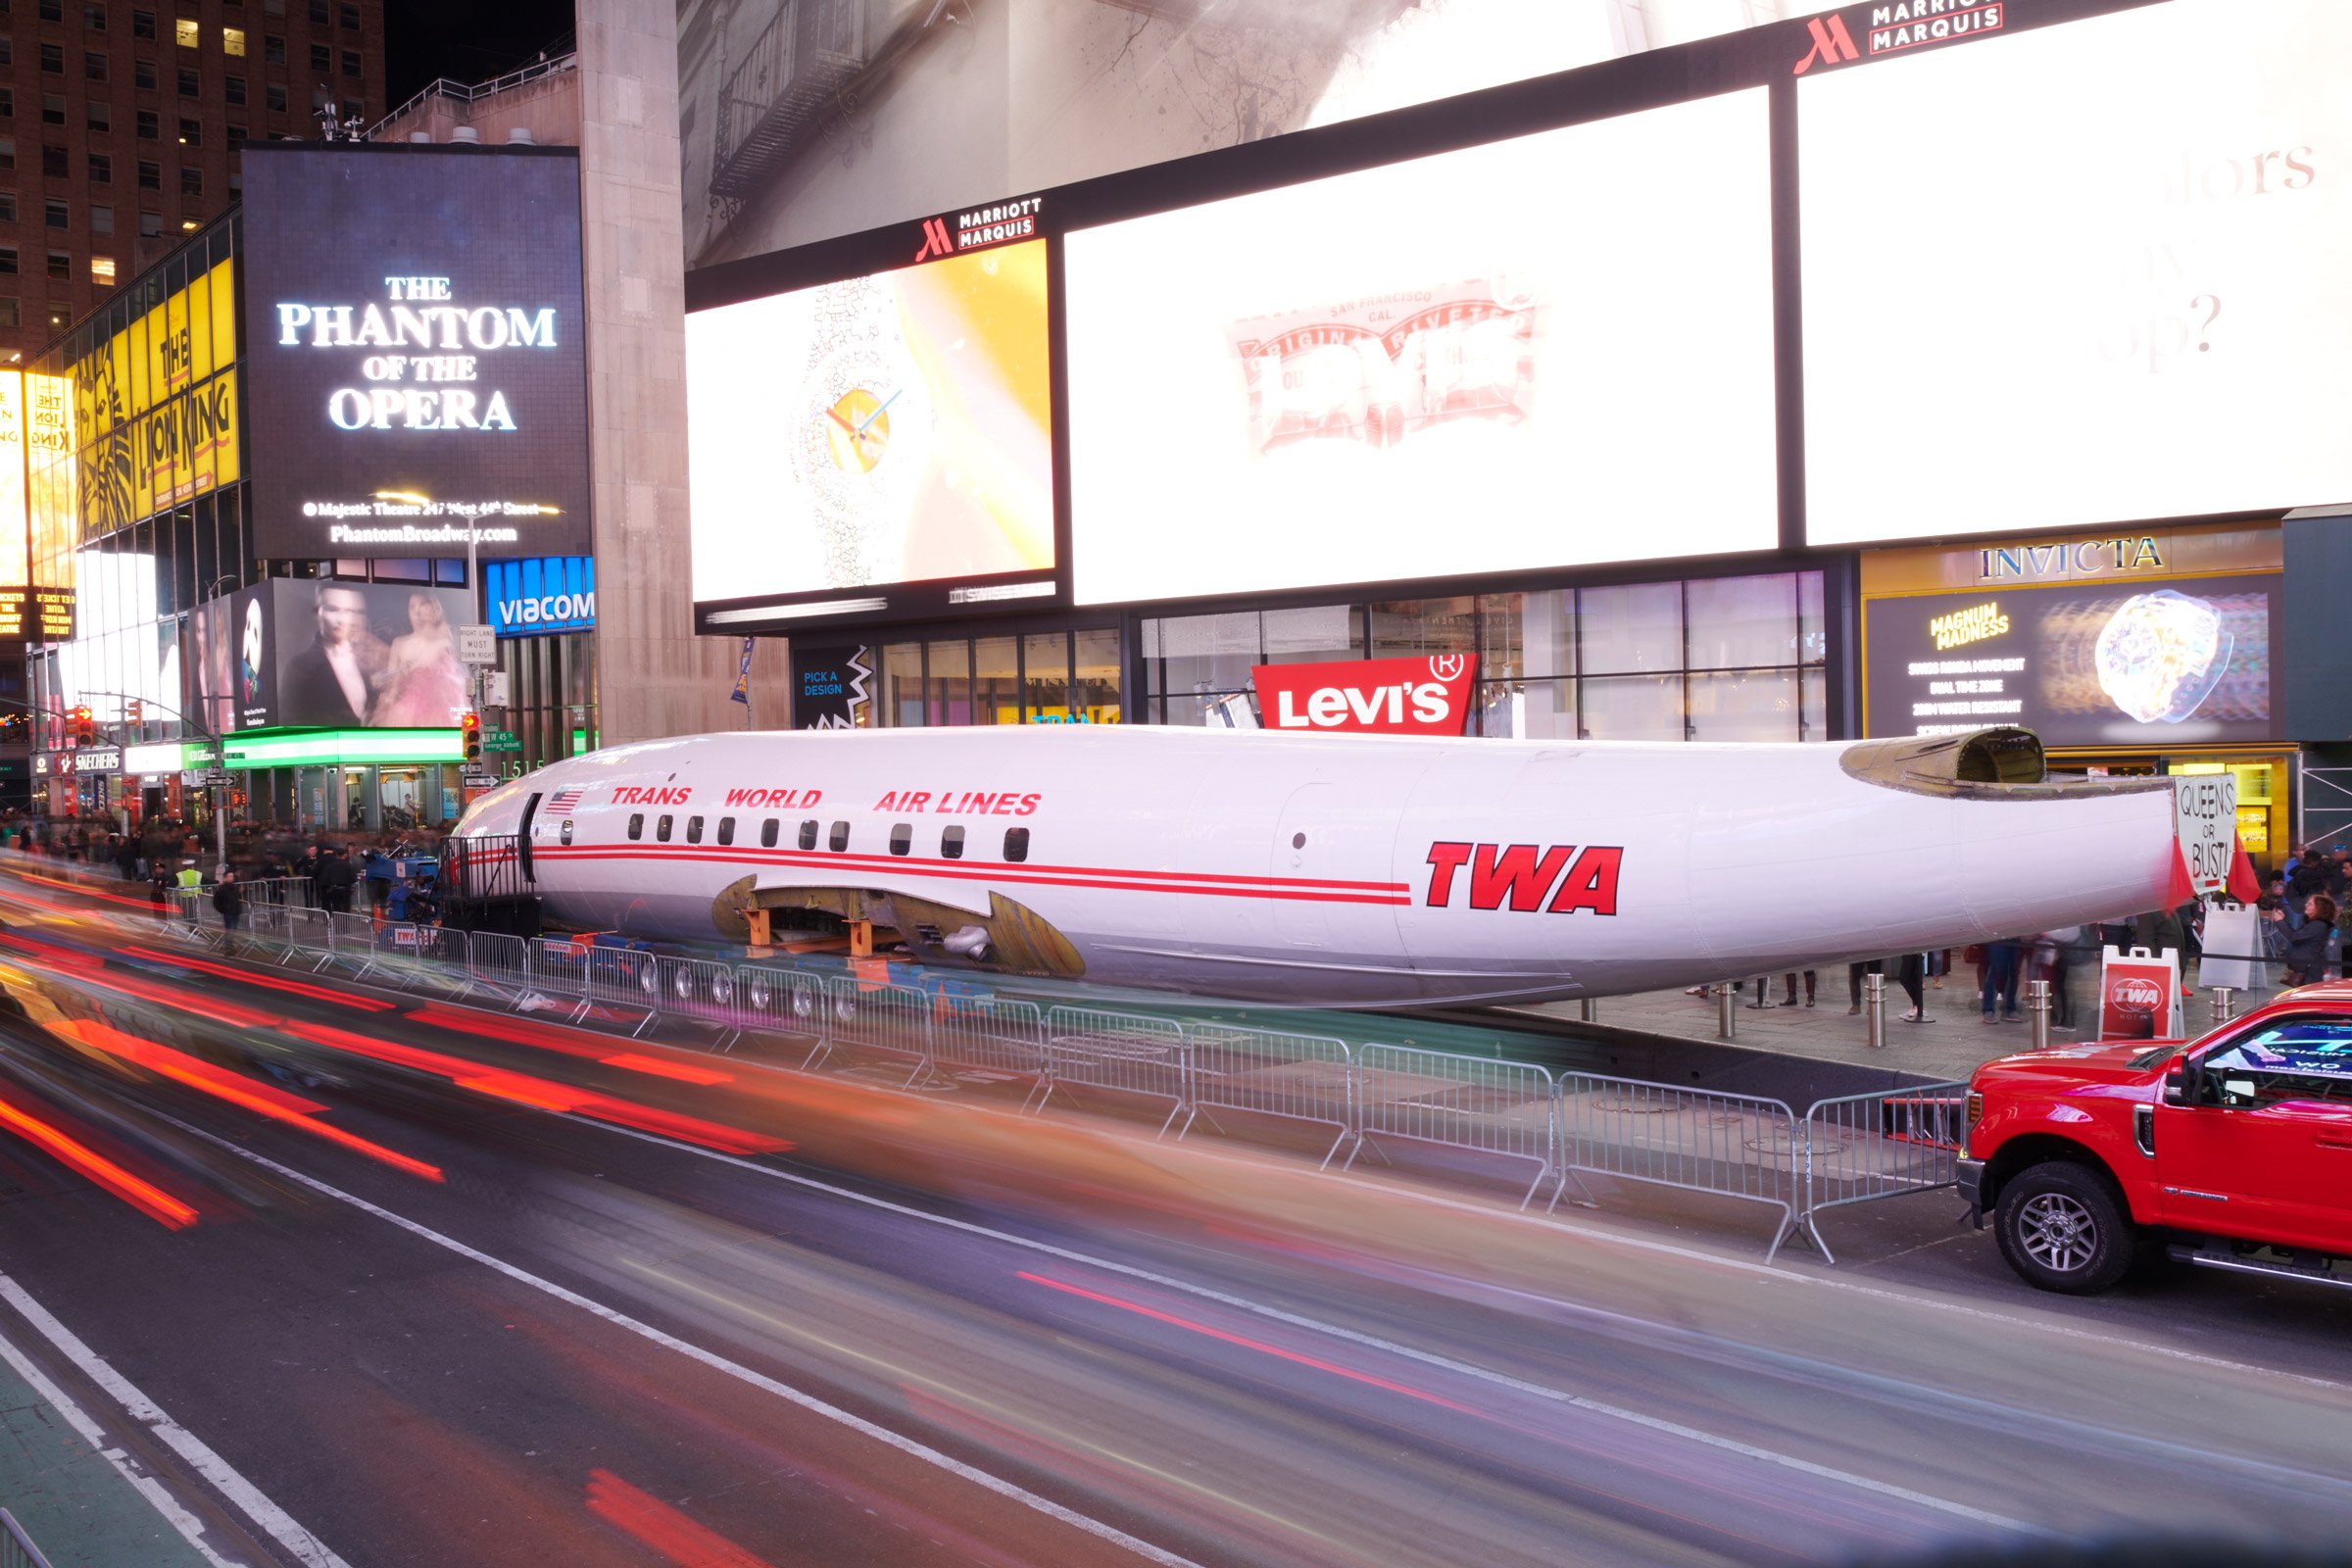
{"x": 866, "y": 428}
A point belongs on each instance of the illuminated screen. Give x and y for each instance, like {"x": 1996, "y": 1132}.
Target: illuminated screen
{"x": 2089, "y": 272}
{"x": 1542, "y": 352}
{"x": 416, "y": 361}
{"x": 2184, "y": 661}
{"x": 327, "y": 655}
{"x": 885, "y": 429}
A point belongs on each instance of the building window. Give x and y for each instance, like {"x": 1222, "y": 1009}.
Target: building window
{"x": 7, "y": 313}
{"x": 351, "y": 19}
{"x": 236, "y": 138}
{"x": 8, "y": 103}
{"x": 59, "y": 318}
{"x": 636, "y": 824}
{"x": 321, "y": 58}
{"x": 151, "y": 176}
{"x": 8, "y": 259}
{"x": 102, "y": 172}
{"x": 274, "y": 7}
{"x": 191, "y": 182}
{"x": 274, "y": 94}
{"x": 59, "y": 217}
{"x": 8, "y": 215}
{"x": 54, "y": 163}
{"x": 97, "y": 116}
{"x": 235, "y": 88}
{"x": 52, "y": 9}
{"x": 318, "y": 13}
{"x": 151, "y": 226}
{"x": 273, "y": 49}
{"x": 102, "y": 219}
{"x": 187, "y": 33}
{"x": 232, "y": 41}
{"x": 102, "y": 270}
{"x": 94, "y": 17}
{"x": 93, "y": 65}
{"x": 8, "y": 50}
{"x": 838, "y": 839}
{"x": 151, "y": 124}
{"x": 950, "y": 843}
{"x": 61, "y": 267}
{"x": 53, "y": 59}
{"x": 8, "y": 153}
{"x": 351, "y": 63}
{"x": 142, "y": 23}
{"x": 143, "y": 74}
{"x": 191, "y": 132}
{"x": 190, "y": 84}
{"x": 53, "y": 109}
{"x": 1016, "y": 844}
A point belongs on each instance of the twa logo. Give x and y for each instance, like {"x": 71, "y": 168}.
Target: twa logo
{"x": 2135, "y": 994}
{"x": 1524, "y": 875}
{"x": 1832, "y": 45}
{"x": 936, "y": 240}
{"x": 1370, "y": 696}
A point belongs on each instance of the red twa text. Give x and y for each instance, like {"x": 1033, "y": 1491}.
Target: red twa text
{"x": 1522, "y": 875}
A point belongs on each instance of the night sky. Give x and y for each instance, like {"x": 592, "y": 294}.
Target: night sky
{"x": 466, "y": 40}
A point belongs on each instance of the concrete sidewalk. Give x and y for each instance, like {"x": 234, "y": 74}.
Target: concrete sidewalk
{"x": 67, "y": 1494}
{"x": 1951, "y": 1043}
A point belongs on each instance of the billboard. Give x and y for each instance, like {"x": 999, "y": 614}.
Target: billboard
{"x": 29, "y": 611}
{"x": 2179, "y": 662}
{"x": 547, "y": 594}
{"x": 2116, "y": 292}
{"x": 323, "y": 653}
{"x": 886, "y": 430}
{"x": 1491, "y": 359}
{"x": 413, "y": 350}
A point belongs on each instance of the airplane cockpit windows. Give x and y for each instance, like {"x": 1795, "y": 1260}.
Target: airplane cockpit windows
{"x": 902, "y": 837}
{"x": 838, "y": 839}
{"x": 564, "y": 837}
{"x": 767, "y": 834}
{"x": 661, "y": 828}
{"x": 950, "y": 843}
{"x": 726, "y": 830}
{"x": 636, "y": 824}
{"x": 809, "y": 834}
{"x": 1016, "y": 844}
{"x": 693, "y": 830}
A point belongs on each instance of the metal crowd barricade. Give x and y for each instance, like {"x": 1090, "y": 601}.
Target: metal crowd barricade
{"x": 891, "y": 1019}
{"x": 1505, "y": 1109}
{"x": 1859, "y": 1148}
{"x": 990, "y": 1034}
{"x": 497, "y": 959}
{"x": 1127, "y": 1054}
{"x": 1302, "y": 1077}
{"x": 1698, "y": 1140}
{"x": 702, "y": 989}
{"x": 783, "y": 1002}
{"x": 17, "y": 1549}
{"x": 625, "y": 977}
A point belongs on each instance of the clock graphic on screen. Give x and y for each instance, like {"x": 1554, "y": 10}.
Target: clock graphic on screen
{"x": 862, "y": 432}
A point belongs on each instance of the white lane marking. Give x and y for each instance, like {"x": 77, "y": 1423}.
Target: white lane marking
{"x": 279, "y": 1525}
{"x": 1368, "y": 1340}
{"x": 1110, "y": 1534}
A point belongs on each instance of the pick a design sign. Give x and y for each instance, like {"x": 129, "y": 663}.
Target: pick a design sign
{"x": 1425, "y": 696}
{"x": 2140, "y": 995}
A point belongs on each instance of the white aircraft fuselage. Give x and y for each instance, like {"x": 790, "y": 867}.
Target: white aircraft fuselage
{"x": 1351, "y": 871}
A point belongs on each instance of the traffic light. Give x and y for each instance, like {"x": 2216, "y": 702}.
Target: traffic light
{"x": 133, "y": 711}
{"x": 469, "y": 729}
{"x": 84, "y": 727}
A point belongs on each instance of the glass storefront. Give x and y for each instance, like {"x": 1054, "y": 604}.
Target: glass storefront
{"x": 1045, "y": 677}
{"x": 1718, "y": 658}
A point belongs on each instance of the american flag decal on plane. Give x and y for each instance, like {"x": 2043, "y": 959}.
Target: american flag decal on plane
{"x": 564, "y": 801}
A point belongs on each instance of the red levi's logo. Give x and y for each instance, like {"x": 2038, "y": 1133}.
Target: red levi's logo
{"x": 1428, "y": 696}
{"x": 1526, "y": 877}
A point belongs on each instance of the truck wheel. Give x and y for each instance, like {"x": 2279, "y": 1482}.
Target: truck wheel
{"x": 2063, "y": 1228}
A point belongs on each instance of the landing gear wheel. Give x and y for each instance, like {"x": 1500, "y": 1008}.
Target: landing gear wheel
{"x": 2064, "y": 1228}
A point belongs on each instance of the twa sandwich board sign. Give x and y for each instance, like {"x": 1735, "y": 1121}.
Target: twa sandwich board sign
{"x": 2140, "y": 995}
{"x": 1424, "y": 696}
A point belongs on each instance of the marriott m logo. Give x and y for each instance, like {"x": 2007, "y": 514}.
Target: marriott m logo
{"x": 937, "y": 242}
{"x": 1832, "y": 45}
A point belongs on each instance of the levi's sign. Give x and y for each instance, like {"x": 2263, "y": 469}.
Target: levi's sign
{"x": 1426, "y": 696}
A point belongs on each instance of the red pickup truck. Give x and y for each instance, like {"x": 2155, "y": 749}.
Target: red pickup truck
{"x": 2231, "y": 1152}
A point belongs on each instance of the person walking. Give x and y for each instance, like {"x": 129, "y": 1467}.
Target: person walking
{"x": 1911, "y": 973}
{"x": 2306, "y": 954}
{"x": 2000, "y": 981}
{"x": 229, "y": 896}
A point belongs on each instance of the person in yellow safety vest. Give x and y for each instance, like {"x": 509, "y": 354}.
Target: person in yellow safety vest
{"x": 191, "y": 879}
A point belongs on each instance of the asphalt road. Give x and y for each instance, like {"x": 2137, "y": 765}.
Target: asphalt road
{"x": 434, "y": 1290}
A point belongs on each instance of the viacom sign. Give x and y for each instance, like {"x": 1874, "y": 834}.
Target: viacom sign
{"x": 1427, "y": 696}
{"x": 542, "y": 594}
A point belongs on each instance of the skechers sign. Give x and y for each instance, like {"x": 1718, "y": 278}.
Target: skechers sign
{"x": 529, "y": 596}
{"x": 414, "y": 369}
{"x": 1368, "y": 695}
